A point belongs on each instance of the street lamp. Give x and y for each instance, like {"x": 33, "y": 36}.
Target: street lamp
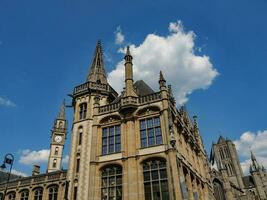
{"x": 9, "y": 159}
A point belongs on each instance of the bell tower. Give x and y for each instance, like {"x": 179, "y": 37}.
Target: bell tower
{"x": 58, "y": 136}
{"x": 87, "y": 99}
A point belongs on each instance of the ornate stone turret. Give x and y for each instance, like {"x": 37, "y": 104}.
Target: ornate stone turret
{"x": 129, "y": 89}
{"x": 58, "y": 137}
{"x": 97, "y": 71}
{"x": 162, "y": 81}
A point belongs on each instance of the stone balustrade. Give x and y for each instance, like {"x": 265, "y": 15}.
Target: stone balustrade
{"x": 130, "y": 100}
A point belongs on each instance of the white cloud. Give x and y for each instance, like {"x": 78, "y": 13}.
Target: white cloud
{"x": 4, "y": 101}
{"x": 65, "y": 160}
{"x": 34, "y": 157}
{"x": 173, "y": 54}
{"x": 256, "y": 142}
{"x": 119, "y": 37}
{"x": 13, "y": 171}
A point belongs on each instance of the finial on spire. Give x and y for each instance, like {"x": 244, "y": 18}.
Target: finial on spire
{"x": 97, "y": 71}
{"x": 161, "y": 77}
{"x": 61, "y": 114}
{"x": 128, "y": 57}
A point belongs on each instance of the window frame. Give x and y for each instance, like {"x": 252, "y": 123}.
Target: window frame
{"x": 116, "y": 143}
{"x": 24, "y": 194}
{"x": 38, "y": 193}
{"x": 154, "y": 128}
{"x": 54, "y": 164}
{"x": 82, "y": 110}
{"x": 54, "y": 194}
{"x": 106, "y": 181}
{"x": 155, "y": 177}
{"x": 56, "y": 151}
{"x": 13, "y": 197}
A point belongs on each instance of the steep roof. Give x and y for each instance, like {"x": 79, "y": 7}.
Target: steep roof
{"x": 97, "y": 71}
{"x": 4, "y": 176}
{"x": 142, "y": 88}
{"x": 221, "y": 139}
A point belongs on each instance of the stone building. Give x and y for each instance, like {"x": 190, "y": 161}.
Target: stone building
{"x": 228, "y": 179}
{"x": 136, "y": 145}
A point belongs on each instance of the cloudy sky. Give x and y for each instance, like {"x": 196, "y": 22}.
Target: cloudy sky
{"x": 213, "y": 53}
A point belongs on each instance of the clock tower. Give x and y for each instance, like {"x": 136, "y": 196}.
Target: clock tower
{"x": 58, "y": 137}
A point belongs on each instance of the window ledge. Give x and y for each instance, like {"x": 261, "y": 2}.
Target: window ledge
{"x": 109, "y": 157}
{"x": 151, "y": 150}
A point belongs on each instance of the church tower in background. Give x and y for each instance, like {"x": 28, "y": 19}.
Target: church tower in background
{"x": 58, "y": 137}
{"x": 225, "y": 153}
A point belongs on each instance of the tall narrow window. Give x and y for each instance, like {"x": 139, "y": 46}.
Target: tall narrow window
{"x": 155, "y": 180}
{"x": 53, "y": 191}
{"x": 75, "y": 193}
{"x": 111, "y": 186}
{"x": 150, "y": 132}
{"x": 24, "y": 195}
{"x": 54, "y": 163}
{"x": 56, "y": 151}
{"x": 111, "y": 139}
{"x": 83, "y": 110}
{"x": 77, "y": 165}
{"x": 1, "y": 196}
{"x": 38, "y": 194}
{"x": 80, "y": 136}
{"x": 11, "y": 196}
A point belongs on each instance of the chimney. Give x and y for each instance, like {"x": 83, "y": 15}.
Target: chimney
{"x": 35, "y": 170}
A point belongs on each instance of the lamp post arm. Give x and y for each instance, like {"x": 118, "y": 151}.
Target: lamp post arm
{"x": 10, "y": 169}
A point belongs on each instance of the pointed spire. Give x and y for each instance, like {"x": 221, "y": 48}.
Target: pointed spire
{"x": 97, "y": 71}
{"x": 253, "y": 157}
{"x": 161, "y": 77}
{"x": 162, "y": 81}
{"x": 255, "y": 164}
{"x": 61, "y": 114}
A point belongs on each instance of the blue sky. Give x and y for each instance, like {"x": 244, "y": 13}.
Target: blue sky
{"x": 47, "y": 46}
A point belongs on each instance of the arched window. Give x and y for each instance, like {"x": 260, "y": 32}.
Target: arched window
{"x": 111, "y": 139}
{"x": 56, "y": 151}
{"x": 111, "y": 187}
{"x": 24, "y": 195}
{"x": 155, "y": 180}
{"x": 150, "y": 132}
{"x": 38, "y": 194}
{"x": 83, "y": 110}
{"x": 11, "y": 196}
{"x": 53, "y": 191}
{"x": 54, "y": 163}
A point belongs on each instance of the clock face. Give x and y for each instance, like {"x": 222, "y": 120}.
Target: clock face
{"x": 58, "y": 139}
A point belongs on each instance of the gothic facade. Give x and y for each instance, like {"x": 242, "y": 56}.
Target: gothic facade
{"x": 228, "y": 179}
{"x": 136, "y": 145}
